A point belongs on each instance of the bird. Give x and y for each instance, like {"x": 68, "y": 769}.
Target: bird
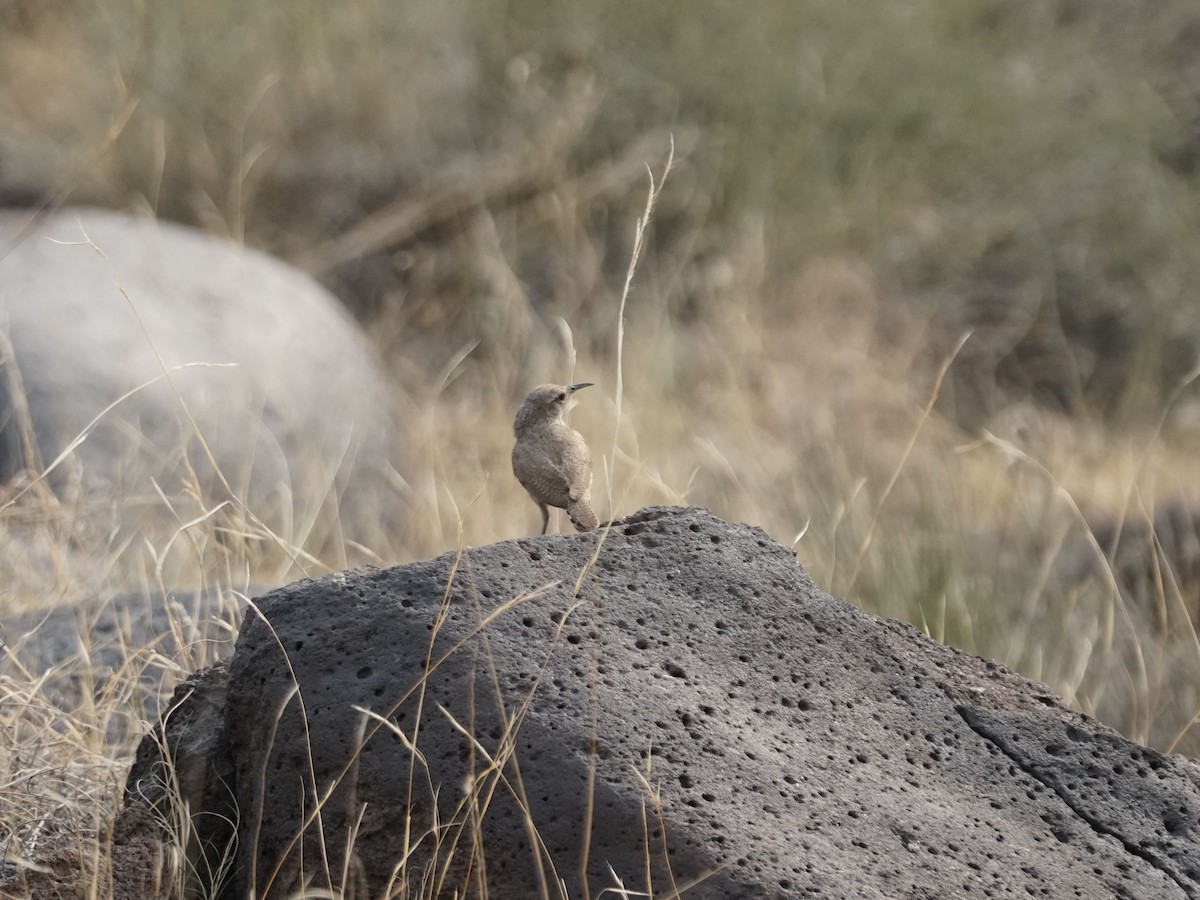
{"x": 551, "y": 459}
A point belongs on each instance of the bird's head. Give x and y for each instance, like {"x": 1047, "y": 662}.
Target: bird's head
{"x": 546, "y": 403}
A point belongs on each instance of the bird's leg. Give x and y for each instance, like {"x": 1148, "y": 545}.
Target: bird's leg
{"x": 545, "y": 516}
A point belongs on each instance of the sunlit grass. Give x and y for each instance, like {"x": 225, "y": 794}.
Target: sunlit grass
{"x": 865, "y": 184}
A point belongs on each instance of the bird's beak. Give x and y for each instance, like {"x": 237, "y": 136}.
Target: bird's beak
{"x": 572, "y": 388}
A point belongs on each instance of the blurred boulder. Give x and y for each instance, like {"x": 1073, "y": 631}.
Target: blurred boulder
{"x": 189, "y": 350}
{"x": 676, "y": 706}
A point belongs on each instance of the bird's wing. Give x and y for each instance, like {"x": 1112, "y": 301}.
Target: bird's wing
{"x": 543, "y": 476}
{"x": 577, "y": 466}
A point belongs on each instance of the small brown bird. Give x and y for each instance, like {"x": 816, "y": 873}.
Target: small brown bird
{"x": 550, "y": 458}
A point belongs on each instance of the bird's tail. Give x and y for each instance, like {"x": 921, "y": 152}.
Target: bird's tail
{"x": 583, "y": 517}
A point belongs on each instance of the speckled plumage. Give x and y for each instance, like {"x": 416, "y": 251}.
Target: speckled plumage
{"x": 550, "y": 458}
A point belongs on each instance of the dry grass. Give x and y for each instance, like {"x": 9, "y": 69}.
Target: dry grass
{"x": 802, "y": 423}
{"x": 782, "y": 338}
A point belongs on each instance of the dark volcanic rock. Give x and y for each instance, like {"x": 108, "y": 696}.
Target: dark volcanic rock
{"x": 185, "y": 757}
{"x": 680, "y": 700}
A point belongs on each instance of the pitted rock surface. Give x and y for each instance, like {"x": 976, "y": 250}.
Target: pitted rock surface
{"x": 765, "y": 738}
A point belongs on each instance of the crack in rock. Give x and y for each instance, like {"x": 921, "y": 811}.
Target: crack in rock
{"x": 1113, "y": 790}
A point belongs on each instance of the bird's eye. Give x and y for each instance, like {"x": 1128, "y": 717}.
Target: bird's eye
{"x": 562, "y": 395}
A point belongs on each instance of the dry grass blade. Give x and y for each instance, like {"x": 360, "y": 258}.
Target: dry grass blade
{"x": 635, "y": 255}
{"x": 96, "y": 420}
{"x": 869, "y": 535}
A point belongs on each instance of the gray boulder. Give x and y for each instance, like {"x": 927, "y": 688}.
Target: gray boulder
{"x": 263, "y": 362}
{"x": 140, "y": 642}
{"x": 672, "y": 704}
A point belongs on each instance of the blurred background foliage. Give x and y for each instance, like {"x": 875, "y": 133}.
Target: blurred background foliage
{"x": 856, "y": 187}
{"x": 1024, "y": 170}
